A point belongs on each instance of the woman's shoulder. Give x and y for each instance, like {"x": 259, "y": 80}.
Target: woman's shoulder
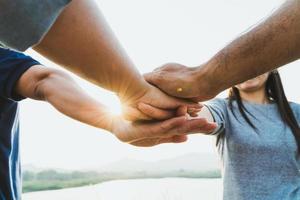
{"x": 218, "y": 101}
{"x": 294, "y": 105}
{"x": 296, "y": 109}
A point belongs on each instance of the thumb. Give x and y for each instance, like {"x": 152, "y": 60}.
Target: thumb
{"x": 181, "y": 111}
{"x": 151, "y": 78}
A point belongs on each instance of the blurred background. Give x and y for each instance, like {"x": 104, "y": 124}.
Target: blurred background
{"x": 60, "y": 153}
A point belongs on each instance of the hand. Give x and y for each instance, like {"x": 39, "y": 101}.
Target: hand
{"x": 146, "y": 134}
{"x": 180, "y": 81}
{"x": 161, "y": 106}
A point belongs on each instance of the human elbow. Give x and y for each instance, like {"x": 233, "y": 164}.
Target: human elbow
{"x": 49, "y": 81}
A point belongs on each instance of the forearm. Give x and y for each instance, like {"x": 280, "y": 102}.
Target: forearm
{"x": 72, "y": 101}
{"x": 81, "y": 41}
{"x": 271, "y": 44}
{"x": 65, "y": 95}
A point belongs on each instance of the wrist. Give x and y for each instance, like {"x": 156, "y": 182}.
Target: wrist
{"x": 113, "y": 121}
{"x": 118, "y": 127}
{"x": 207, "y": 83}
{"x": 133, "y": 91}
{"x": 101, "y": 117}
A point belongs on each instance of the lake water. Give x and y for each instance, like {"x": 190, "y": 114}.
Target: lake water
{"x": 143, "y": 189}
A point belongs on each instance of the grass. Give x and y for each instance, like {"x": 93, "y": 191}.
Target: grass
{"x": 53, "y": 180}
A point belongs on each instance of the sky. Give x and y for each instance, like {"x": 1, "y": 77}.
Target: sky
{"x": 153, "y": 33}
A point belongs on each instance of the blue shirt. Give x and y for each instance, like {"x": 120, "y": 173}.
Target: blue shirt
{"x": 12, "y": 66}
{"x": 260, "y": 164}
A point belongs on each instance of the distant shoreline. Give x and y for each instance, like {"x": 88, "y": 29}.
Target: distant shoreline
{"x": 54, "y": 180}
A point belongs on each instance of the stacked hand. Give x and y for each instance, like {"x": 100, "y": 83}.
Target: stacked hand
{"x": 180, "y": 81}
{"x": 160, "y": 106}
{"x": 153, "y": 118}
{"x": 153, "y": 133}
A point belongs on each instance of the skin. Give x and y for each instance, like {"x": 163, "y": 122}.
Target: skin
{"x": 82, "y": 42}
{"x": 253, "y": 90}
{"x": 273, "y": 43}
{"x": 58, "y": 89}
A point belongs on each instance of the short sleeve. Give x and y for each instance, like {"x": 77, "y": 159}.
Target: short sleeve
{"x": 218, "y": 109}
{"x": 12, "y": 66}
{"x": 296, "y": 110}
{"x": 25, "y": 22}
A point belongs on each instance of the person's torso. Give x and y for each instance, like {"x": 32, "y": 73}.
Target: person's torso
{"x": 10, "y": 172}
{"x": 261, "y": 164}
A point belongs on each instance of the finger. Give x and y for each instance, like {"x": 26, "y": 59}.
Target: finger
{"x": 146, "y": 142}
{"x": 176, "y": 102}
{"x": 181, "y": 125}
{"x": 153, "y": 78}
{"x": 203, "y": 127}
{"x": 170, "y": 124}
{"x": 175, "y": 126}
{"x": 173, "y": 139}
{"x": 156, "y": 141}
{"x": 206, "y": 129}
{"x": 193, "y": 114}
{"x": 169, "y": 128}
{"x": 179, "y": 138}
{"x": 158, "y": 129}
{"x": 209, "y": 128}
{"x": 155, "y": 113}
{"x": 200, "y": 125}
{"x": 194, "y": 110}
{"x": 132, "y": 114}
{"x": 182, "y": 111}
{"x": 149, "y": 142}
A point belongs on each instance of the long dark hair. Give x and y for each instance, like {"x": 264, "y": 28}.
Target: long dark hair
{"x": 276, "y": 94}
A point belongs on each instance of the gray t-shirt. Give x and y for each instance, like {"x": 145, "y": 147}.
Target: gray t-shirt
{"x": 260, "y": 164}
{"x": 24, "y": 22}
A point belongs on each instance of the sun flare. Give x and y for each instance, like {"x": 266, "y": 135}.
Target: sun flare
{"x": 115, "y": 107}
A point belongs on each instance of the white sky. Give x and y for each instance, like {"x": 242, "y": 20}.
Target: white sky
{"x": 153, "y": 32}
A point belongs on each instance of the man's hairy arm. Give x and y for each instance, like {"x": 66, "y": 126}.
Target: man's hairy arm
{"x": 273, "y": 43}
{"x": 269, "y": 45}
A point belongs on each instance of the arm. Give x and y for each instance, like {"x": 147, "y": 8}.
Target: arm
{"x": 271, "y": 44}
{"x": 81, "y": 41}
{"x": 75, "y": 35}
{"x": 58, "y": 88}
{"x": 62, "y": 92}
{"x": 204, "y": 114}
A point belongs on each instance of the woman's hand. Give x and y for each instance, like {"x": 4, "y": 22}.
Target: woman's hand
{"x": 146, "y": 134}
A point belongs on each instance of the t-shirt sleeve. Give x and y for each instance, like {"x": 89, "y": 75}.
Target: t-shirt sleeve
{"x": 296, "y": 110}
{"x": 218, "y": 108}
{"x": 25, "y": 22}
{"x": 12, "y": 66}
